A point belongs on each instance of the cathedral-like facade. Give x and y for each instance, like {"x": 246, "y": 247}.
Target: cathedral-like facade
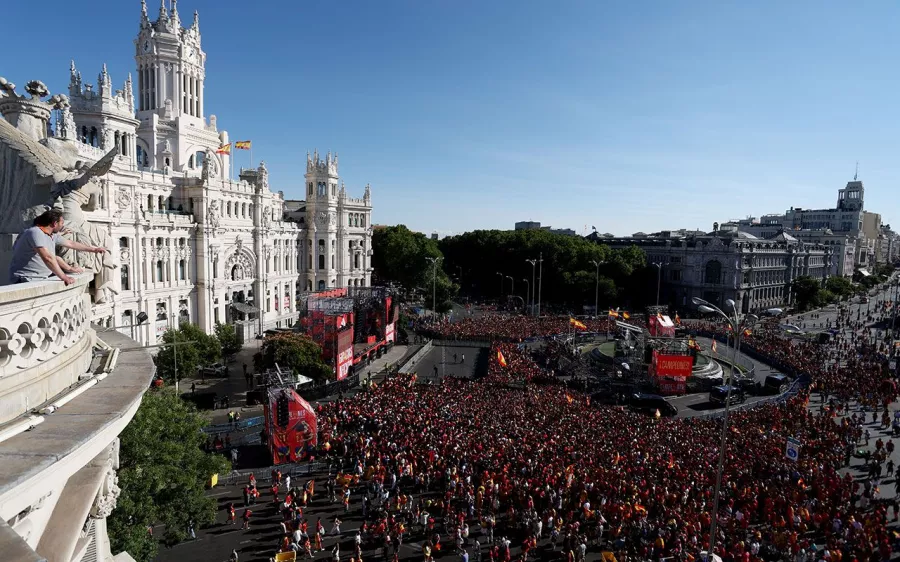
{"x": 191, "y": 242}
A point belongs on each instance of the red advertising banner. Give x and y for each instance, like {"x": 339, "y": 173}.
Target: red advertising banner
{"x": 671, "y": 372}
{"x": 674, "y": 365}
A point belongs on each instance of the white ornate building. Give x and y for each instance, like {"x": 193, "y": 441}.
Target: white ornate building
{"x": 191, "y": 241}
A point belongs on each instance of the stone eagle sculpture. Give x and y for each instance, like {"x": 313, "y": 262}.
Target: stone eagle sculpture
{"x": 34, "y": 172}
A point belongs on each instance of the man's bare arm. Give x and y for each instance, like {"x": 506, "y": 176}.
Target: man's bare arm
{"x": 50, "y": 261}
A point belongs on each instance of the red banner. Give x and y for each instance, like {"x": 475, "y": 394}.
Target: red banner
{"x": 674, "y": 365}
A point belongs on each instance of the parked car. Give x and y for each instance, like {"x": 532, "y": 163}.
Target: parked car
{"x": 719, "y": 395}
{"x": 775, "y": 384}
{"x": 650, "y": 403}
{"x": 215, "y": 370}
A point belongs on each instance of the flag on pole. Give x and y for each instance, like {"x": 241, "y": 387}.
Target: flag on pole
{"x": 243, "y": 145}
{"x": 224, "y": 149}
{"x": 625, "y": 315}
{"x": 577, "y": 324}
{"x": 747, "y": 332}
{"x": 677, "y": 319}
{"x": 500, "y": 358}
{"x": 659, "y": 316}
{"x": 714, "y": 347}
{"x": 613, "y": 313}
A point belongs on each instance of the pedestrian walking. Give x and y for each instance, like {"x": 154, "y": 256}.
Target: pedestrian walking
{"x": 246, "y": 518}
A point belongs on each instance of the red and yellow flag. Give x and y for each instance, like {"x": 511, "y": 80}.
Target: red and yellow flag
{"x": 659, "y": 316}
{"x": 243, "y": 145}
{"x": 626, "y": 316}
{"x": 569, "y": 398}
{"x": 677, "y": 319}
{"x": 747, "y": 332}
{"x": 500, "y": 358}
{"x": 224, "y": 149}
{"x": 613, "y": 313}
{"x": 577, "y": 324}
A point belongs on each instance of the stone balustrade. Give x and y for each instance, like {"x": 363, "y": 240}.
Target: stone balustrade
{"x": 45, "y": 342}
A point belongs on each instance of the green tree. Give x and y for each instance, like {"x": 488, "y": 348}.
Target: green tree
{"x": 295, "y": 352}
{"x": 840, "y": 286}
{"x": 203, "y": 350}
{"x": 162, "y": 474}
{"x": 806, "y": 292}
{"x": 569, "y": 273}
{"x": 402, "y": 256}
{"x": 228, "y": 339}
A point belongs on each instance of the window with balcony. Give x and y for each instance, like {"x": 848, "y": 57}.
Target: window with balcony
{"x": 713, "y": 272}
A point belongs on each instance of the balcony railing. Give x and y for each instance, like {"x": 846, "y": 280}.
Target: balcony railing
{"x": 45, "y": 341}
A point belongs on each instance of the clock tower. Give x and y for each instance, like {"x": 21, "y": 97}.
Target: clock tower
{"x": 170, "y": 81}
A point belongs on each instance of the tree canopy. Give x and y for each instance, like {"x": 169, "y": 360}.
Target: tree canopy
{"x": 569, "y": 272}
{"x": 204, "y": 350}
{"x": 807, "y": 292}
{"x": 228, "y": 339}
{"x": 295, "y": 352}
{"x": 162, "y": 474}
{"x": 401, "y": 256}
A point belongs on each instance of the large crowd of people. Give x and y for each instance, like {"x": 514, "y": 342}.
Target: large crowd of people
{"x": 485, "y": 465}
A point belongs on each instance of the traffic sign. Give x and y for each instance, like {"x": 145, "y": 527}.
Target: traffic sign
{"x": 792, "y": 451}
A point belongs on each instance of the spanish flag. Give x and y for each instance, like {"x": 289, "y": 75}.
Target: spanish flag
{"x": 569, "y": 398}
{"x": 500, "y": 358}
{"x": 613, "y": 313}
{"x": 577, "y": 324}
{"x": 747, "y": 332}
{"x": 224, "y": 149}
{"x": 626, "y": 316}
{"x": 659, "y": 316}
{"x": 677, "y": 319}
{"x": 243, "y": 145}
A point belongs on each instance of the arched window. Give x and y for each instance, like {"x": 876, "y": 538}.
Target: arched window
{"x": 181, "y": 270}
{"x": 142, "y": 160}
{"x": 321, "y": 261}
{"x": 362, "y": 221}
{"x": 161, "y": 203}
{"x": 356, "y": 261}
{"x": 243, "y": 210}
{"x": 84, "y": 134}
{"x": 126, "y": 282}
{"x": 237, "y": 273}
{"x": 191, "y": 161}
{"x": 159, "y": 271}
{"x": 322, "y": 285}
{"x": 198, "y": 158}
{"x": 714, "y": 272}
{"x": 350, "y": 219}
{"x": 228, "y": 208}
{"x": 95, "y": 141}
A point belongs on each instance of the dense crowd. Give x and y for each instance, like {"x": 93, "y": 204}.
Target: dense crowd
{"x": 490, "y": 461}
{"x": 511, "y": 328}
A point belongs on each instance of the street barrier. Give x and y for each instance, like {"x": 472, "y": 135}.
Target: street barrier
{"x": 295, "y": 470}
{"x": 236, "y": 426}
{"x": 410, "y": 365}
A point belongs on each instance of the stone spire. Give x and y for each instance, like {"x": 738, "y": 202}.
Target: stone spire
{"x": 145, "y": 19}
{"x": 176, "y": 21}
{"x": 196, "y": 25}
{"x": 74, "y": 80}
{"x": 163, "y": 14}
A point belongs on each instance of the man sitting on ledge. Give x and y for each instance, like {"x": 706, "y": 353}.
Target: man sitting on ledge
{"x": 34, "y": 253}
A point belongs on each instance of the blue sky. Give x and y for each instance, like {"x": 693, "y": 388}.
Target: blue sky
{"x": 470, "y": 114}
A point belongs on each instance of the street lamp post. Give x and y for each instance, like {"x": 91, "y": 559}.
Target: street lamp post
{"x": 658, "y": 279}
{"x": 533, "y": 263}
{"x": 434, "y": 262}
{"x": 738, "y": 323}
{"x": 512, "y": 286}
{"x": 540, "y": 281}
{"x": 502, "y": 276}
{"x": 597, "y": 264}
{"x": 527, "y": 290}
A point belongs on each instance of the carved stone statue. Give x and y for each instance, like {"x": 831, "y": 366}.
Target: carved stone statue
{"x": 263, "y": 176}
{"x": 214, "y": 215}
{"x": 210, "y": 166}
{"x": 266, "y": 217}
{"x": 123, "y": 199}
{"x": 107, "y": 281}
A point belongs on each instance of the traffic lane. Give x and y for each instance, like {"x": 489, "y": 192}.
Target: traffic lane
{"x": 761, "y": 370}
{"x": 469, "y": 362}
{"x": 693, "y": 405}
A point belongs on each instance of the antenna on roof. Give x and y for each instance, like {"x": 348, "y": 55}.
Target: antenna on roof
{"x": 856, "y": 174}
